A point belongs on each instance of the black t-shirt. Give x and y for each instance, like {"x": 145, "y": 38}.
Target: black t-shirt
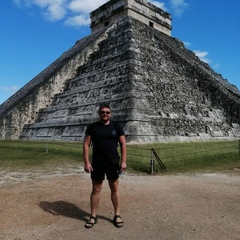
{"x": 105, "y": 140}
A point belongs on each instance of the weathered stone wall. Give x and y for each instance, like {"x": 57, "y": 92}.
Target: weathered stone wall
{"x": 158, "y": 90}
{"x": 24, "y": 106}
{"x": 103, "y": 78}
{"x": 185, "y": 97}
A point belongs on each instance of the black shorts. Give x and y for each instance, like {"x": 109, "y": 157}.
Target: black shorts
{"x": 111, "y": 170}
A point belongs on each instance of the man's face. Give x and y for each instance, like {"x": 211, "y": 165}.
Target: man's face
{"x": 105, "y": 114}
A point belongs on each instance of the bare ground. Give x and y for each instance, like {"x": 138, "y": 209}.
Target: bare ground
{"x": 56, "y": 206}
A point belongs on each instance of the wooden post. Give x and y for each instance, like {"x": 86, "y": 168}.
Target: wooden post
{"x": 46, "y": 146}
{"x": 239, "y": 146}
{"x": 152, "y": 162}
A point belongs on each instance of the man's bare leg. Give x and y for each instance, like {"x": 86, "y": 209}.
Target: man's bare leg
{"x": 95, "y": 196}
{"x": 115, "y": 197}
{"x": 94, "y": 201}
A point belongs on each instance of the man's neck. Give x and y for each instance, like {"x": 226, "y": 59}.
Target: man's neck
{"x": 105, "y": 122}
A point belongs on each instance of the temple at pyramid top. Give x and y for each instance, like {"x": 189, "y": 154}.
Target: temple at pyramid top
{"x": 142, "y": 10}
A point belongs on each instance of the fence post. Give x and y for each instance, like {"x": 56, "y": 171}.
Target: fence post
{"x": 238, "y": 146}
{"x": 152, "y": 162}
{"x": 46, "y": 147}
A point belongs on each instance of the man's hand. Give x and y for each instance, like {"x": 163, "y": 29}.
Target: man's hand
{"x": 88, "y": 168}
{"x": 123, "y": 166}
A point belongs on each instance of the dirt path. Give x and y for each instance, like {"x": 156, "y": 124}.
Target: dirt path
{"x": 55, "y": 206}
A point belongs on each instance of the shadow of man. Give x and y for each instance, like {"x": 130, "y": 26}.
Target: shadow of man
{"x": 65, "y": 209}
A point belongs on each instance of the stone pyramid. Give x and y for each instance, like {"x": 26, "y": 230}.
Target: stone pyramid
{"x": 157, "y": 89}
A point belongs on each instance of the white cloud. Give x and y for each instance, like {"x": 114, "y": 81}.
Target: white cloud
{"x": 78, "y": 20}
{"x": 9, "y": 89}
{"x": 6, "y": 92}
{"x": 216, "y": 66}
{"x": 79, "y": 11}
{"x": 178, "y": 6}
{"x": 202, "y": 56}
{"x": 84, "y": 6}
{"x": 72, "y": 12}
{"x": 53, "y": 10}
{"x": 159, "y": 4}
{"x": 187, "y": 44}
{"x": 22, "y": 3}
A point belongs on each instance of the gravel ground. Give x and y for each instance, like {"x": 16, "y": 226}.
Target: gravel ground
{"x": 183, "y": 206}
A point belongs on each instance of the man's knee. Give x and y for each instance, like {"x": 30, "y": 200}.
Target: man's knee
{"x": 113, "y": 184}
{"x": 96, "y": 186}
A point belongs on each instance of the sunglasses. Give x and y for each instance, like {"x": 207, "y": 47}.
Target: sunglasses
{"x": 103, "y": 112}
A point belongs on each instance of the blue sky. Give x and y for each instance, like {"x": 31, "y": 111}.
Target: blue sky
{"x": 34, "y": 33}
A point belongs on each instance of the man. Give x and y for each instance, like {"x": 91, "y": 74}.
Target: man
{"x": 105, "y": 136}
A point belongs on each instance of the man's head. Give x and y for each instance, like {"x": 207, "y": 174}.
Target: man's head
{"x": 103, "y": 105}
{"x": 104, "y": 112}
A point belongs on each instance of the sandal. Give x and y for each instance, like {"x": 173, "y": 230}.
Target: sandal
{"x": 117, "y": 224}
{"x": 90, "y": 224}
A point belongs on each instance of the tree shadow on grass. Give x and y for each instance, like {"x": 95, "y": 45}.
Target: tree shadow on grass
{"x": 66, "y": 209}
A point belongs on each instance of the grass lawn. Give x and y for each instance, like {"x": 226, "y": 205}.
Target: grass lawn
{"x": 177, "y": 157}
